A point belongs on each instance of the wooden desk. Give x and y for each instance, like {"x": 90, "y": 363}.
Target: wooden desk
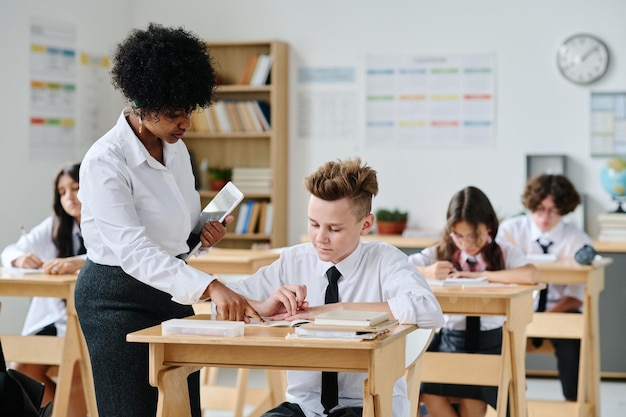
{"x": 507, "y": 370}
{"x": 64, "y": 351}
{"x": 233, "y": 261}
{"x": 585, "y": 326}
{"x": 173, "y": 357}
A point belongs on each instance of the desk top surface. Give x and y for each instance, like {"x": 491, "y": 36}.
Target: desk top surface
{"x": 6, "y": 276}
{"x": 499, "y": 291}
{"x": 259, "y": 335}
{"x": 235, "y": 256}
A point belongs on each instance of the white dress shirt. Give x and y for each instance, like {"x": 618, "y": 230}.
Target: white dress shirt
{"x": 374, "y": 272}
{"x": 513, "y": 258}
{"x": 137, "y": 213}
{"x": 43, "y": 310}
{"x": 566, "y": 240}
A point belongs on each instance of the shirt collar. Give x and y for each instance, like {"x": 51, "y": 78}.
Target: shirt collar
{"x": 136, "y": 153}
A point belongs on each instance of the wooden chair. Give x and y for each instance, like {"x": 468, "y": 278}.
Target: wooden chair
{"x": 416, "y": 344}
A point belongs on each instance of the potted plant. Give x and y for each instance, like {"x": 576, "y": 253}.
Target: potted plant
{"x": 391, "y": 222}
{"x": 218, "y": 177}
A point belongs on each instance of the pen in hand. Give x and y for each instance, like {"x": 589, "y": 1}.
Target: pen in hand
{"x": 30, "y": 246}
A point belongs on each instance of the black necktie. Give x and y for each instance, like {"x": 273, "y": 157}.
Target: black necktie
{"x": 543, "y": 295}
{"x": 330, "y": 394}
{"x": 472, "y": 323}
{"x": 81, "y": 248}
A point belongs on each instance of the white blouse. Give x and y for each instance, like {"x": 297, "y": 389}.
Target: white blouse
{"x": 137, "y": 213}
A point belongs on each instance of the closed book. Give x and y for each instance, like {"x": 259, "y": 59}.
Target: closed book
{"x": 343, "y": 332}
{"x": 612, "y": 217}
{"x": 260, "y": 111}
{"x": 261, "y": 70}
{"x": 351, "y": 318}
{"x": 254, "y": 217}
{"x": 248, "y": 69}
{"x": 269, "y": 218}
{"x": 222, "y": 117}
{"x": 242, "y": 217}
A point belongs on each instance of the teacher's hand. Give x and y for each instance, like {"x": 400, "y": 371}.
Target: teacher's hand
{"x": 213, "y": 232}
{"x": 230, "y": 305}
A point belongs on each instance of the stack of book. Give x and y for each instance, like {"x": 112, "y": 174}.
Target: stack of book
{"x": 347, "y": 324}
{"x": 253, "y": 180}
{"x": 233, "y": 116}
{"x": 612, "y": 227}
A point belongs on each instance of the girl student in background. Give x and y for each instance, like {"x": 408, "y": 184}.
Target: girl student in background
{"x": 468, "y": 249}
{"x": 54, "y": 246}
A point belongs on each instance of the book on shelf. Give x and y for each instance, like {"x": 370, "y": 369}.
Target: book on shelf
{"x": 254, "y": 217}
{"x": 199, "y": 121}
{"x": 243, "y": 217}
{"x": 250, "y": 105}
{"x": 262, "y": 216}
{"x": 612, "y": 235}
{"x": 233, "y": 116}
{"x": 222, "y": 116}
{"x": 252, "y": 172}
{"x": 351, "y": 318}
{"x": 262, "y": 69}
{"x": 262, "y": 111}
{"x": 245, "y": 116}
{"x": 248, "y": 69}
{"x": 269, "y": 218}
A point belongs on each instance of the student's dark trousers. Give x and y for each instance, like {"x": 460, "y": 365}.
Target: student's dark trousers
{"x": 567, "y": 352}
{"x": 288, "y": 409}
{"x": 111, "y": 304}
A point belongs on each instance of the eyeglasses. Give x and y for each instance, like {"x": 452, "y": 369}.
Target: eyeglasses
{"x": 473, "y": 238}
{"x": 553, "y": 212}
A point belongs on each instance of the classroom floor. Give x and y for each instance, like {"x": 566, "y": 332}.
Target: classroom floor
{"x": 612, "y": 392}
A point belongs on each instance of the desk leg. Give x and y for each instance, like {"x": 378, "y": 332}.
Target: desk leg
{"x": 386, "y": 366}
{"x": 592, "y": 355}
{"x": 174, "y": 392}
{"x": 516, "y": 329}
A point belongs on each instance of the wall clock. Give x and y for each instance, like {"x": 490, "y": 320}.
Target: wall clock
{"x": 583, "y": 58}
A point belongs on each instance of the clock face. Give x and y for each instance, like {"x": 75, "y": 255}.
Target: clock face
{"x": 583, "y": 59}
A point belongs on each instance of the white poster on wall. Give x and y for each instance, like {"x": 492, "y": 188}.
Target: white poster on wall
{"x": 430, "y": 101}
{"x": 52, "y": 131}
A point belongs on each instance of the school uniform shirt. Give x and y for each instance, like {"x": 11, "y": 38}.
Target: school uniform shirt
{"x": 566, "y": 240}
{"x": 43, "y": 311}
{"x": 374, "y": 272}
{"x": 137, "y": 213}
{"x": 513, "y": 258}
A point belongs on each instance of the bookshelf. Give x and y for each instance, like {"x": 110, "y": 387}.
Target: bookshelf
{"x": 252, "y": 147}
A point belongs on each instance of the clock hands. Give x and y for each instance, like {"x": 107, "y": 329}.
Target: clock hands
{"x": 589, "y": 52}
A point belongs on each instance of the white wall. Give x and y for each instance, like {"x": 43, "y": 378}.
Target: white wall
{"x": 537, "y": 110}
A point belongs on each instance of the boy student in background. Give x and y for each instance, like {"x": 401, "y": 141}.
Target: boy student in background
{"x": 54, "y": 246}
{"x": 548, "y": 198}
{"x": 368, "y": 276}
{"x": 468, "y": 249}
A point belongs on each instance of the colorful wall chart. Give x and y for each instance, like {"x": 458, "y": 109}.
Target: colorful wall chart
{"x": 430, "y": 101}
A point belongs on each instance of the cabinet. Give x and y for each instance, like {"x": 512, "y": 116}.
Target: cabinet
{"x": 248, "y": 149}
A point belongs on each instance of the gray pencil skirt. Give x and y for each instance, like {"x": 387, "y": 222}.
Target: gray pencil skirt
{"x": 110, "y": 304}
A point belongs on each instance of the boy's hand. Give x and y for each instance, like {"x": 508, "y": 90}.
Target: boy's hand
{"x": 287, "y": 301}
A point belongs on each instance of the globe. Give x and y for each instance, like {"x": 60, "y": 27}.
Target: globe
{"x": 613, "y": 179}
